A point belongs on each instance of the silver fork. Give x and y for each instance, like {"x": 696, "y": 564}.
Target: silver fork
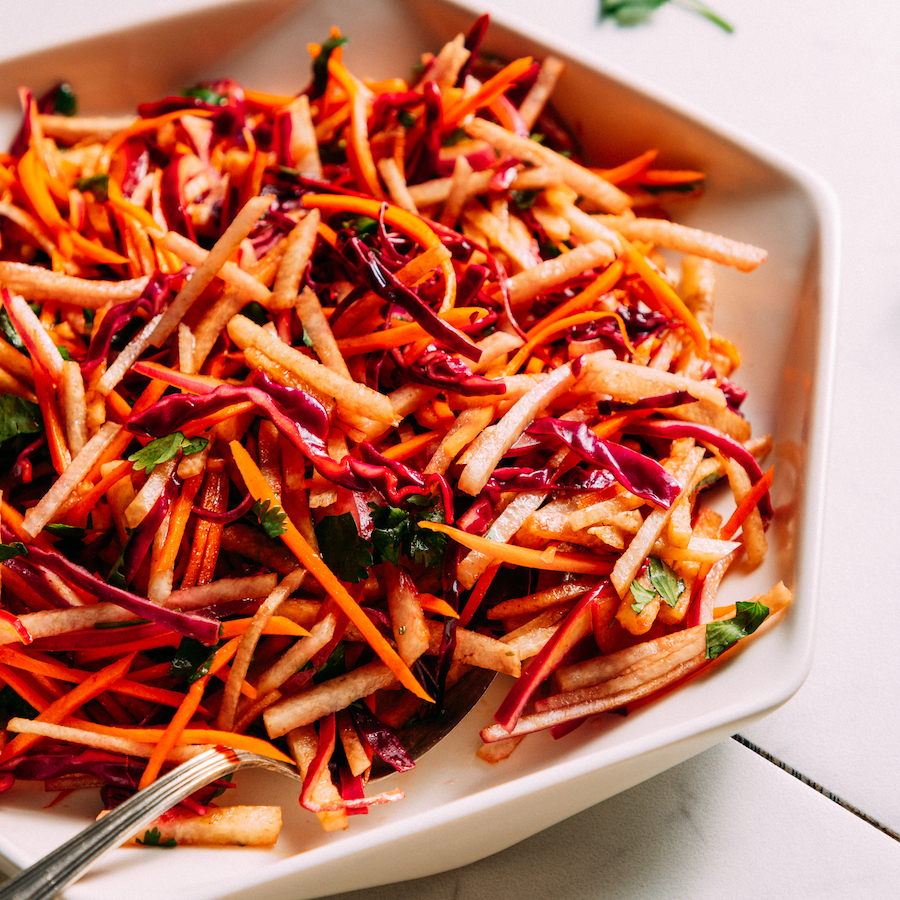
{"x": 58, "y": 868}
{"x": 51, "y": 874}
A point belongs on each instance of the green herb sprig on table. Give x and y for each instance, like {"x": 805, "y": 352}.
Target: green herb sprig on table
{"x": 636, "y": 12}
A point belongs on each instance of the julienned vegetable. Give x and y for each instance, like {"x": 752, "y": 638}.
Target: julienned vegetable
{"x": 312, "y": 403}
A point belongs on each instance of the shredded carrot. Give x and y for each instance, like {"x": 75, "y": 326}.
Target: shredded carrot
{"x": 359, "y": 150}
{"x": 630, "y": 169}
{"x": 561, "y": 325}
{"x": 91, "y": 687}
{"x": 198, "y": 426}
{"x": 184, "y": 714}
{"x": 178, "y": 520}
{"x": 754, "y": 495}
{"x": 431, "y": 603}
{"x": 260, "y": 490}
{"x": 603, "y": 283}
{"x": 410, "y": 447}
{"x": 400, "y": 335}
{"x": 189, "y": 736}
{"x": 78, "y": 512}
{"x": 25, "y": 688}
{"x": 667, "y": 298}
{"x": 47, "y": 400}
{"x": 275, "y": 625}
{"x": 487, "y": 93}
{"x": 555, "y": 561}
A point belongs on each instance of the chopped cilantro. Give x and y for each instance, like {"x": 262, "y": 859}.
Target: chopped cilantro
{"x": 10, "y": 333}
{"x": 18, "y": 416}
{"x": 152, "y": 838}
{"x": 272, "y": 520}
{"x": 206, "y": 94}
{"x": 455, "y": 136}
{"x": 191, "y": 660}
{"x": 65, "y": 103}
{"x": 11, "y": 551}
{"x": 664, "y": 583}
{"x": 642, "y": 596}
{"x": 524, "y": 199}
{"x": 397, "y": 533}
{"x": 256, "y": 312}
{"x": 165, "y": 448}
{"x": 668, "y": 585}
{"x": 362, "y": 226}
{"x": 98, "y": 185}
{"x": 406, "y": 118}
{"x": 320, "y": 64}
{"x": 721, "y": 635}
{"x": 344, "y": 551}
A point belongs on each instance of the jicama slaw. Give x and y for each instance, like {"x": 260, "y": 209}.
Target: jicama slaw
{"x": 313, "y": 403}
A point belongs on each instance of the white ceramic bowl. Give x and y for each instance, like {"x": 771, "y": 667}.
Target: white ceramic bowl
{"x": 782, "y": 317}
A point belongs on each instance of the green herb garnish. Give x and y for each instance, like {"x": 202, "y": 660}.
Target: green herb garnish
{"x": 343, "y": 549}
{"x": 720, "y": 636}
{"x": 272, "y": 519}
{"x": 153, "y": 838}
{"x": 636, "y": 12}
{"x": 18, "y": 416}
{"x": 164, "y": 449}
{"x": 98, "y": 185}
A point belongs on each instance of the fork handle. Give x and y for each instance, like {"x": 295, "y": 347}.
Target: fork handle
{"x": 52, "y": 873}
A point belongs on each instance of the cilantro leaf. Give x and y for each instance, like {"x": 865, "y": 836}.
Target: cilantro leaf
{"x": 10, "y": 333}
{"x": 272, "y": 520}
{"x": 721, "y": 635}
{"x": 192, "y": 660}
{"x": 636, "y": 12}
{"x": 344, "y": 551}
{"x": 642, "y": 596}
{"x": 11, "y": 551}
{"x": 320, "y": 65}
{"x": 667, "y": 584}
{"x": 165, "y": 448}
{"x": 18, "y": 416}
{"x": 152, "y": 838}
{"x": 65, "y": 103}
{"x": 396, "y": 533}
{"x": 98, "y": 185}
{"x": 206, "y": 94}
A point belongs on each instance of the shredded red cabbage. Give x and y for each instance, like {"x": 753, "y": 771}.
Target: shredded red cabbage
{"x": 635, "y": 472}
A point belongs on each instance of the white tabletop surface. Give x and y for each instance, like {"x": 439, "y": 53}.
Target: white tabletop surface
{"x": 812, "y": 810}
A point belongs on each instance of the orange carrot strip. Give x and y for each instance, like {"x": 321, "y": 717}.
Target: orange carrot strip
{"x": 406, "y": 449}
{"x": 192, "y": 429}
{"x": 487, "y": 93}
{"x": 24, "y": 687}
{"x": 629, "y": 169}
{"x": 561, "y": 325}
{"x": 118, "y": 404}
{"x": 94, "y": 654}
{"x": 188, "y": 736}
{"x": 756, "y": 493}
{"x": 667, "y": 298}
{"x": 554, "y": 561}
{"x": 260, "y": 490}
{"x": 664, "y": 177}
{"x": 56, "y": 438}
{"x": 140, "y": 126}
{"x": 400, "y": 335}
{"x": 361, "y": 150}
{"x": 411, "y": 225}
{"x": 431, "y": 603}
{"x": 178, "y": 523}
{"x": 10, "y": 656}
{"x": 604, "y": 282}
{"x": 618, "y": 421}
{"x": 80, "y": 510}
{"x": 92, "y": 687}
{"x": 184, "y": 714}
{"x": 276, "y": 625}
{"x": 13, "y": 520}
